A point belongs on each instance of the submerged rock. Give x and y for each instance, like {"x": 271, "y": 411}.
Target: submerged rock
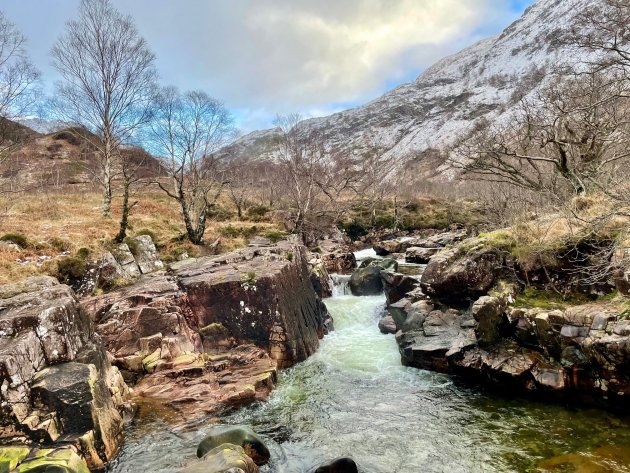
{"x": 387, "y": 325}
{"x": 340, "y": 465}
{"x": 242, "y": 436}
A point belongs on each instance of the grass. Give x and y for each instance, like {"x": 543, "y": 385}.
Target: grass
{"x": 533, "y": 298}
{"x": 47, "y": 224}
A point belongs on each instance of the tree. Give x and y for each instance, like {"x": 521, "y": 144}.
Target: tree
{"x": 567, "y": 140}
{"x": 319, "y": 184}
{"x": 186, "y": 131}
{"x": 18, "y": 91}
{"x": 107, "y": 82}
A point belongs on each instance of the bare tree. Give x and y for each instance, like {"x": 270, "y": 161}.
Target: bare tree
{"x": 242, "y": 179}
{"x": 107, "y": 82}
{"x": 187, "y": 129}
{"x": 568, "y": 140}
{"x": 18, "y": 91}
{"x": 320, "y": 185}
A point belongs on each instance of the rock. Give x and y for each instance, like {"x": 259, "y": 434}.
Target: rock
{"x": 340, "y": 465}
{"x": 387, "y": 325}
{"x": 397, "y": 285}
{"x": 336, "y": 256}
{"x": 11, "y": 457}
{"x": 456, "y": 277}
{"x": 366, "y": 281}
{"x": 321, "y": 280}
{"x": 195, "y": 385}
{"x": 153, "y": 305}
{"x": 146, "y": 255}
{"x": 45, "y": 337}
{"x": 7, "y": 245}
{"x": 225, "y": 458}
{"x": 242, "y": 436}
{"x": 420, "y": 255}
{"x": 124, "y": 257}
{"x": 385, "y": 264}
{"x": 261, "y": 295}
{"x": 61, "y": 460}
{"x": 488, "y": 311}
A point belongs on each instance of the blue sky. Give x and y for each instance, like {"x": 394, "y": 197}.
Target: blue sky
{"x": 264, "y": 57}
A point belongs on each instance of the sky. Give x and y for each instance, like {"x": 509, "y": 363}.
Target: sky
{"x": 269, "y": 57}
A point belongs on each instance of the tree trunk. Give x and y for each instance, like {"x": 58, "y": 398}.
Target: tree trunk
{"x": 124, "y": 219}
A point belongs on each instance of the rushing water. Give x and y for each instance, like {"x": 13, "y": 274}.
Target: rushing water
{"x": 353, "y": 398}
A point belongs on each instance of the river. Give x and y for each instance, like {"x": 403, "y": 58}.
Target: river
{"x": 354, "y": 398}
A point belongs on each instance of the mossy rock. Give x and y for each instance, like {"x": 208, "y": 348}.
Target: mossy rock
{"x": 10, "y": 457}
{"x": 63, "y": 460}
{"x": 241, "y": 436}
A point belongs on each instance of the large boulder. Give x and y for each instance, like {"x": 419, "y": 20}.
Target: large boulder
{"x": 240, "y": 435}
{"x": 462, "y": 274}
{"x": 57, "y": 460}
{"x": 56, "y": 380}
{"x": 397, "y": 285}
{"x": 260, "y": 295}
{"x": 366, "y": 281}
{"x": 419, "y": 255}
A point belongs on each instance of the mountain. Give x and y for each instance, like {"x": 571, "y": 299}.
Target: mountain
{"x": 43, "y": 126}
{"x": 418, "y": 119}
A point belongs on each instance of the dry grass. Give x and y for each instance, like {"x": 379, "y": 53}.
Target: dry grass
{"x": 74, "y": 220}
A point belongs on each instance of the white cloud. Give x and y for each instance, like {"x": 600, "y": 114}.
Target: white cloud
{"x": 264, "y": 57}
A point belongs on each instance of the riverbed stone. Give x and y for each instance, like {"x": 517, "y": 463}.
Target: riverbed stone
{"x": 225, "y": 458}
{"x": 242, "y": 436}
{"x": 339, "y": 465}
{"x": 387, "y": 325}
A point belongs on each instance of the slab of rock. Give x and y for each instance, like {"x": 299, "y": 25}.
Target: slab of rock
{"x": 387, "y": 325}
{"x": 146, "y": 255}
{"x": 226, "y": 458}
{"x": 193, "y": 386}
{"x": 397, "y": 285}
{"x": 240, "y": 435}
{"x": 419, "y": 255}
{"x": 339, "y": 465}
{"x": 261, "y": 295}
{"x": 56, "y": 381}
{"x": 58, "y": 460}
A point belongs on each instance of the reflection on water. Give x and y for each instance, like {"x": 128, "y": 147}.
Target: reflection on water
{"x": 354, "y": 398}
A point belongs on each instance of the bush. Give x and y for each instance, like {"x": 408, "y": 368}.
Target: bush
{"x": 230, "y": 231}
{"x": 60, "y": 244}
{"x": 354, "y": 229}
{"x": 18, "y": 238}
{"x": 83, "y": 253}
{"x": 70, "y": 269}
{"x": 258, "y": 212}
{"x": 275, "y": 236}
{"x": 132, "y": 243}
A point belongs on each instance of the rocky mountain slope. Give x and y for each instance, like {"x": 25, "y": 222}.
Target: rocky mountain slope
{"x": 482, "y": 81}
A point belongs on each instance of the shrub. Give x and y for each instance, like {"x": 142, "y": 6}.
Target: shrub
{"x": 290, "y": 256}
{"x": 257, "y": 212}
{"x": 275, "y": 236}
{"x": 133, "y": 245}
{"x": 230, "y": 231}
{"x": 70, "y": 269}
{"x": 60, "y": 244}
{"x": 354, "y": 229}
{"x": 83, "y": 253}
{"x": 18, "y": 238}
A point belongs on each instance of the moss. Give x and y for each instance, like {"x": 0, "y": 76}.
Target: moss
{"x": 258, "y": 213}
{"x": 231, "y": 231}
{"x": 290, "y": 256}
{"x": 249, "y": 279}
{"x": 11, "y": 457}
{"x": 534, "y": 298}
{"x": 18, "y": 238}
{"x": 58, "y": 460}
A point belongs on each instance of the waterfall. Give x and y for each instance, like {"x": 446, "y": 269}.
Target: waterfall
{"x": 340, "y": 284}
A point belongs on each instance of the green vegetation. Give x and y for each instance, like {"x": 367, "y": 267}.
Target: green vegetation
{"x": 231, "y": 231}
{"x": 18, "y": 238}
{"x": 70, "y": 269}
{"x": 275, "y": 236}
{"x": 151, "y": 233}
{"x": 548, "y": 300}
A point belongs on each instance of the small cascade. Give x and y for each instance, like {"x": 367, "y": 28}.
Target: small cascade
{"x": 340, "y": 285}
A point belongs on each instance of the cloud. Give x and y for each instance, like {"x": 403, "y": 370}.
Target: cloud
{"x": 264, "y": 57}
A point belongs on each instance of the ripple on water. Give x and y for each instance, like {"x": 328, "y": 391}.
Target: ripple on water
{"x": 355, "y": 398}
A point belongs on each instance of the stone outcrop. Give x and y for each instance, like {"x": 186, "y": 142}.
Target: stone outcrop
{"x": 56, "y": 381}
{"x": 260, "y": 295}
{"x": 367, "y": 280}
{"x": 459, "y": 275}
{"x": 226, "y": 458}
{"x": 336, "y": 256}
{"x": 15, "y": 459}
{"x": 404, "y": 244}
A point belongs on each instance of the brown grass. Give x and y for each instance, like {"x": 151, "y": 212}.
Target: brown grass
{"x": 76, "y": 219}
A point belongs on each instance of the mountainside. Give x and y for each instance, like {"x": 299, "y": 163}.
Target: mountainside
{"x": 482, "y": 81}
